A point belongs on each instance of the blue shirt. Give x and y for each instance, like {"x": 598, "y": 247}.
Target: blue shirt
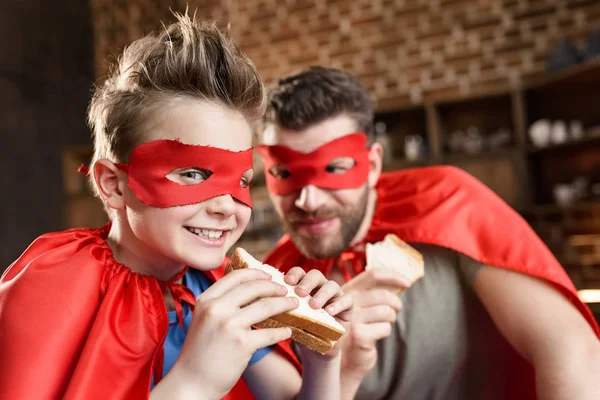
{"x": 197, "y": 282}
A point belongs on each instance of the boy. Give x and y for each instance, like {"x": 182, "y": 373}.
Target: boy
{"x": 114, "y": 312}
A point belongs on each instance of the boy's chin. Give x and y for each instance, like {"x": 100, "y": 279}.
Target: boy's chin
{"x": 207, "y": 262}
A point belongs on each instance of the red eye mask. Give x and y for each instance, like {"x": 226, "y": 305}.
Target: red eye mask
{"x": 311, "y": 168}
{"x": 152, "y": 161}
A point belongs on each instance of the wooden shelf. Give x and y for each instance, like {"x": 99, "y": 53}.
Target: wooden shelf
{"x": 484, "y": 155}
{"x": 587, "y": 73}
{"x": 589, "y": 138}
{"x": 541, "y": 209}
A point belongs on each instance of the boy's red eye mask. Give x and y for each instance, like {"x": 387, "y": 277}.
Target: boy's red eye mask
{"x": 312, "y": 168}
{"x": 151, "y": 162}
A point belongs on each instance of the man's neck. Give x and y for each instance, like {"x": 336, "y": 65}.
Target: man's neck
{"x": 365, "y": 225}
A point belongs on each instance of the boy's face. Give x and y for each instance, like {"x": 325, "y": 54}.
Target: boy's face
{"x": 198, "y": 234}
{"x": 321, "y": 222}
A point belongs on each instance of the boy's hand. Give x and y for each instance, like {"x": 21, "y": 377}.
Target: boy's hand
{"x": 325, "y": 294}
{"x": 220, "y": 340}
{"x": 375, "y": 310}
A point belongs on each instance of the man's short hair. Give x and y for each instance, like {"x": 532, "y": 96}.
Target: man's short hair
{"x": 314, "y": 95}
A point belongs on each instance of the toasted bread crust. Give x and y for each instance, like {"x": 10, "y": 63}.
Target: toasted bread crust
{"x": 298, "y": 335}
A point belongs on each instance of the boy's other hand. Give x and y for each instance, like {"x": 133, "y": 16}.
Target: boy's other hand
{"x": 220, "y": 341}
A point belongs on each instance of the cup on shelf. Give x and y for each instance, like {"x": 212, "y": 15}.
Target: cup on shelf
{"x": 559, "y": 133}
{"x": 576, "y": 129}
{"x": 564, "y": 194}
{"x": 413, "y": 147}
{"x": 539, "y": 132}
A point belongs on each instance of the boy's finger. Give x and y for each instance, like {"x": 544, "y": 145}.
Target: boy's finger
{"x": 264, "y": 309}
{"x": 325, "y": 293}
{"x": 261, "y": 338}
{"x": 294, "y": 275}
{"x": 340, "y": 304}
{"x": 232, "y": 280}
{"x": 309, "y": 282}
{"x": 249, "y": 292}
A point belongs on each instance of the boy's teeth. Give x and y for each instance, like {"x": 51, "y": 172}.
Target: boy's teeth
{"x": 206, "y": 233}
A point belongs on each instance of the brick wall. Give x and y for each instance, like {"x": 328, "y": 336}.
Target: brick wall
{"x": 405, "y": 51}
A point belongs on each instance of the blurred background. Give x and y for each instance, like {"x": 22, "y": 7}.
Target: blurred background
{"x": 508, "y": 90}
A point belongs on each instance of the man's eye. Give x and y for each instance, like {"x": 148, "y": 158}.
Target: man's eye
{"x": 279, "y": 172}
{"x": 332, "y": 169}
{"x": 244, "y": 182}
{"x": 340, "y": 165}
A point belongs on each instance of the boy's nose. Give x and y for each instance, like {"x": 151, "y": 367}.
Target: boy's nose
{"x": 221, "y": 205}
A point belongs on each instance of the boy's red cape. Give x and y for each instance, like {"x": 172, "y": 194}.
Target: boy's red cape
{"x": 447, "y": 207}
{"x": 75, "y": 324}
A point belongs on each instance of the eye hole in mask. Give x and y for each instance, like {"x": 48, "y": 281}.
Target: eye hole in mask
{"x": 340, "y": 165}
{"x": 279, "y": 171}
{"x": 195, "y": 176}
{"x": 189, "y": 176}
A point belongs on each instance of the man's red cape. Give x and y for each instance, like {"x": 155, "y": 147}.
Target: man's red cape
{"x": 76, "y": 324}
{"x": 447, "y": 207}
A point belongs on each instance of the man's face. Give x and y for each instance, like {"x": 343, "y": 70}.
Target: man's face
{"x": 321, "y": 222}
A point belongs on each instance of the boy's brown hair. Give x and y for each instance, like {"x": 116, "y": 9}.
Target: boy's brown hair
{"x": 188, "y": 59}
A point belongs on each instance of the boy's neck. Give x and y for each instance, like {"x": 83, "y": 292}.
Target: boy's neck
{"x": 131, "y": 252}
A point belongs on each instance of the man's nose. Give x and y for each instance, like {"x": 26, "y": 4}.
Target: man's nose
{"x": 311, "y": 198}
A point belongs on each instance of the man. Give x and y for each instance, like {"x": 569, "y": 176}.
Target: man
{"x": 495, "y": 316}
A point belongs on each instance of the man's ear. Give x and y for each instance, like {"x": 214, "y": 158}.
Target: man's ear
{"x": 375, "y": 161}
{"x": 111, "y": 183}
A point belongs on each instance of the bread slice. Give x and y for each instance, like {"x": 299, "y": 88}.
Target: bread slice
{"x": 394, "y": 254}
{"x": 316, "y": 329}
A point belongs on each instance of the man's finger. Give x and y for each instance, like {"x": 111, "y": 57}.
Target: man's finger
{"x": 375, "y": 297}
{"x": 373, "y": 314}
{"x": 377, "y": 277}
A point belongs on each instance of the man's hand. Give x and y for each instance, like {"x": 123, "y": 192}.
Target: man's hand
{"x": 375, "y": 310}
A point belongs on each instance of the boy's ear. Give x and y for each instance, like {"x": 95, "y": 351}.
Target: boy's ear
{"x": 111, "y": 183}
{"x": 376, "y": 161}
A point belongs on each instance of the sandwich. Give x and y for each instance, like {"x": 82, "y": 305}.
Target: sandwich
{"x": 393, "y": 254}
{"x": 314, "y": 328}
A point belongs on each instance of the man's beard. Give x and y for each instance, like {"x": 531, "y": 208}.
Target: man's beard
{"x": 314, "y": 246}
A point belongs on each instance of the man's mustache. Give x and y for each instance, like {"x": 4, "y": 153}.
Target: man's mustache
{"x": 298, "y": 215}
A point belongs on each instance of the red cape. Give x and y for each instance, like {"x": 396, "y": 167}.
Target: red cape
{"x": 447, "y": 207}
{"x": 78, "y": 325}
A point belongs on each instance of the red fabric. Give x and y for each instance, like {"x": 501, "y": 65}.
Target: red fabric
{"x": 150, "y": 163}
{"x": 310, "y": 169}
{"x": 447, "y": 207}
{"x": 76, "y": 324}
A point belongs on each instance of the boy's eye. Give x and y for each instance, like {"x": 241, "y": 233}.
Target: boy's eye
{"x": 279, "y": 171}
{"x": 340, "y": 165}
{"x": 189, "y": 176}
